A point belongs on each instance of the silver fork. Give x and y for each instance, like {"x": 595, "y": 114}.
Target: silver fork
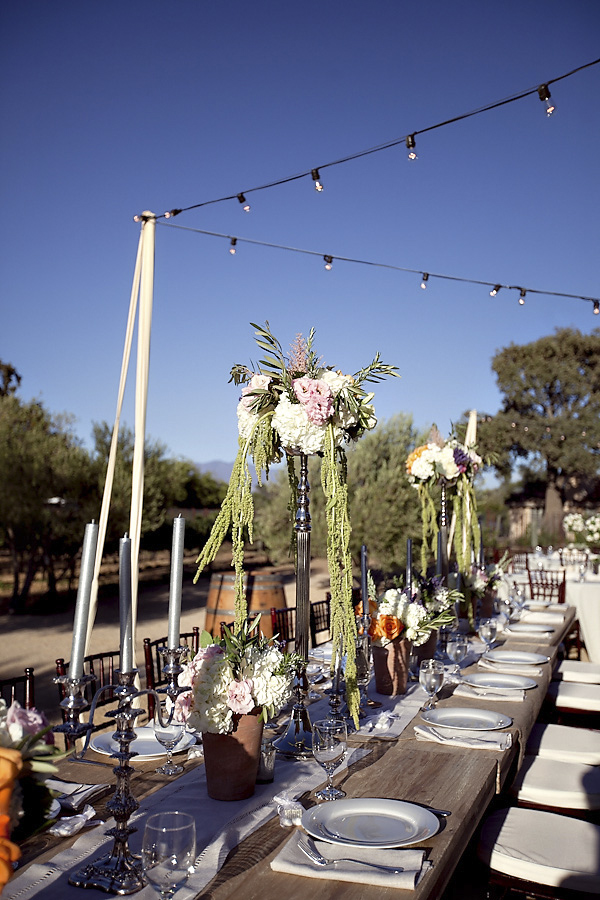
{"x": 308, "y": 847}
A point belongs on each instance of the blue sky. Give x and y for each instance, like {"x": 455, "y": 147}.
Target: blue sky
{"x": 110, "y": 108}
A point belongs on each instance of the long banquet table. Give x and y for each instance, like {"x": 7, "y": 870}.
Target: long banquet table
{"x": 463, "y": 781}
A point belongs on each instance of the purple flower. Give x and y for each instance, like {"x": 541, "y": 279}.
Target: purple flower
{"x": 462, "y": 459}
{"x": 21, "y": 722}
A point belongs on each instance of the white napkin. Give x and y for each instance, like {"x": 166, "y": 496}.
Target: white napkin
{"x": 491, "y": 693}
{"x": 530, "y": 637}
{"x": 72, "y": 824}
{"x": 458, "y": 737}
{"x": 72, "y": 795}
{"x": 383, "y": 725}
{"x": 292, "y": 861}
{"x": 532, "y": 671}
{"x": 543, "y": 618}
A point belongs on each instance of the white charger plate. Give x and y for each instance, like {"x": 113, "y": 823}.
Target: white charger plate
{"x": 515, "y": 657}
{"x": 528, "y": 628}
{"x": 466, "y": 718}
{"x": 499, "y": 680}
{"x": 145, "y": 745}
{"x": 370, "y": 822}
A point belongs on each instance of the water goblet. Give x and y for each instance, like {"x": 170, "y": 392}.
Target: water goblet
{"x": 314, "y": 673}
{"x": 329, "y": 741}
{"x": 431, "y": 679}
{"x": 487, "y": 631}
{"x": 457, "y": 649}
{"x": 168, "y": 851}
{"x": 582, "y": 571}
{"x": 169, "y": 736}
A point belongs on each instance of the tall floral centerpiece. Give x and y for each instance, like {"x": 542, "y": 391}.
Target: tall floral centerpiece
{"x": 456, "y": 464}
{"x": 295, "y": 405}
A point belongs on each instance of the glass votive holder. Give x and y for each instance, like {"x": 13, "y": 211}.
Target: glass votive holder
{"x": 266, "y": 764}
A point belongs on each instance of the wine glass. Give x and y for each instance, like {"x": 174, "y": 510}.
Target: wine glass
{"x": 582, "y": 571}
{"x": 168, "y": 851}
{"x": 487, "y": 631}
{"x": 329, "y": 741}
{"x": 431, "y": 678}
{"x": 314, "y": 673}
{"x": 169, "y": 736}
{"x": 457, "y": 649}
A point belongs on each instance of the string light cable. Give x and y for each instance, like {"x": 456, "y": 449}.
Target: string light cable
{"x": 329, "y": 258}
{"x": 407, "y": 140}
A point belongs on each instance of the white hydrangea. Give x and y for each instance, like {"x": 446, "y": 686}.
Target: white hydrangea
{"x": 574, "y": 522}
{"x": 415, "y": 615}
{"x": 336, "y": 380}
{"x": 295, "y": 428}
{"x": 424, "y": 467}
{"x": 393, "y": 603}
{"x": 246, "y": 420}
{"x": 445, "y": 464}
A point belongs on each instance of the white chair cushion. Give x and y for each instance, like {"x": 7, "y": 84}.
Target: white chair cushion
{"x": 543, "y": 847}
{"x": 561, "y": 742}
{"x": 571, "y": 695}
{"x": 551, "y": 782}
{"x": 576, "y": 670}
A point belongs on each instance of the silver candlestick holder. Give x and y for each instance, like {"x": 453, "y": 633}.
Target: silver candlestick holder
{"x": 172, "y": 657}
{"x": 296, "y": 741}
{"x": 118, "y": 872}
{"x": 73, "y": 704}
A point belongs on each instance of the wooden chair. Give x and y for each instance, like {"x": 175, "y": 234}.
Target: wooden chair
{"x": 574, "y": 557}
{"x": 283, "y": 622}
{"x": 153, "y": 663}
{"x": 20, "y": 688}
{"x": 320, "y": 620}
{"x": 518, "y": 564}
{"x": 546, "y": 584}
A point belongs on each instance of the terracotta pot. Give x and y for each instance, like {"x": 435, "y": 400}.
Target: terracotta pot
{"x": 427, "y": 650}
{"x": 231, "y": 760}
{"x": 390, "y": 664}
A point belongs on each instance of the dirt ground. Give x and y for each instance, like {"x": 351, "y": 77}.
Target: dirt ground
{"x": 38, "y": 639}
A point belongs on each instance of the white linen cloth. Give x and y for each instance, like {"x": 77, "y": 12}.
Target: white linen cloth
{"x": 564, "y": 743}
{"x": 528, "y": 636}
{"x": 542, "y": 618}
{"x": 531, "y": 671}
{"x": 490, "y": 693}
{"x": 458, "y": 737}
{"x": 70, "y": 825}
{"x": 577, "y": 670}
{"x": 294, "y": 862}
{"x": 219, "y": 828}
{"x": 73, "y": 795}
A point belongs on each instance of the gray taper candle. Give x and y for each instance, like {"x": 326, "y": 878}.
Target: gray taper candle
{"x": 82, "y": 605}
{"x": 364, "y": 591}
{"x": 125, "y": 605}
{"x": 176, "y": 582}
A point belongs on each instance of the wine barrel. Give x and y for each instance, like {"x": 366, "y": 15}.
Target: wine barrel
{"x": 263, "y": 590}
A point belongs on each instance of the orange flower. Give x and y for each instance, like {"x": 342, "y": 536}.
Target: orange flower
{"x": 9, "y": 853}
{"x": 388, "y": 627}
{"x": 412, "y": 457}
{"x": 11, "y": 764}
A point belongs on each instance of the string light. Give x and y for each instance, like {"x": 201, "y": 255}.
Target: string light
{"x": 544, "y": 95}
{"x": 172, "y": 213}
{"x": 495, "y": 290}
{"x": 233, "y": 244}
{"x": 596, "y": 307}
{"x": 410, "y": 146}
{"x": 317, "y": 180}
{"x": 425, "y": 280}
{"x": 522, "y": 297}
{"x": 243, "y": 200}
{"x": 328, "y": 262}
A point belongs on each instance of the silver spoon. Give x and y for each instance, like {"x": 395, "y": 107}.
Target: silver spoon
{"x": 307, "y": 846}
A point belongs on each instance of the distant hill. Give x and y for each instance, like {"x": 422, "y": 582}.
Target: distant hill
{"x": 218, "y": 469}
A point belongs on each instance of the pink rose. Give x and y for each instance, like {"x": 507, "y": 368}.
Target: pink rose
{"x": 239, "y": 696}
{"x": 317, "y": 397}
{"x": 20, "y": 722}
{"x": 210, "y": 652}
{"x": 183, "y": 705}
{"x": 257, "y": 382}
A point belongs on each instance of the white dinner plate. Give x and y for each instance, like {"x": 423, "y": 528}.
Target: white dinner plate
{"x": 515, "y": 657}
{"x": 466, "y": 718}
{"x": 145, "y": 744}
{"x": 528, "y": 628}
{"x": 370, "y": 822}
{"x": 499, "y": 680}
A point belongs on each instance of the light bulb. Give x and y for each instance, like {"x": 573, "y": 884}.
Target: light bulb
{"x": 425, "y": 280}
{"x": 328, "y": 262}
{"x": 245, "y": 203}
{"x": 495, "y": 290}
{"x": 171, "y": 213}
{"x": 544, "y": 95}
{"x": 317, "y": 180}
{"x": 232, "y": 248}
{"x": 522, "y": 297}
{"x": 596, "y": 307}
{"x": 410, "y": 146}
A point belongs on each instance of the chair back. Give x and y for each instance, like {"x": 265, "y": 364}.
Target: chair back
{"x": 573, "y": 557}
{"x": 320, "y": 615}
{"x": 20, "y": 688}
{"x": 102, "y": 667}
{"x": 518, "y": 563}
{"x": 153, "y": 663}
{"x": 283, "y": 622}
{"x": 548, "y": 584}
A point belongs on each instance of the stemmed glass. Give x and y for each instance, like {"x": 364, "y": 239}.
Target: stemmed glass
{"x": 169, "y": 736}
{"x": 457, "y": 649}
{"x": 314, "y": 673}
{"x": 168, "y": 851}
{"x": 431, "y": 679}
{"x": 487, "y": 631}
{"x": 329, "y": 742}
{"x": 582, "y": 571}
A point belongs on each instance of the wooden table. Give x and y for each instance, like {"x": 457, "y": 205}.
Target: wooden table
{"x": 460, "y": 780}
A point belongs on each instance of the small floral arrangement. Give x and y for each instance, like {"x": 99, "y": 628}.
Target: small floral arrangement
{"x": 395, "y": 614}
{"x": 26, "y": 750}
{"x": 295, "y": 405}
{"x": 592, "y": 530}
{"x": 233, "y": 676}
{"x": 574, "y": 523}
{"x": 457, "y": 464}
